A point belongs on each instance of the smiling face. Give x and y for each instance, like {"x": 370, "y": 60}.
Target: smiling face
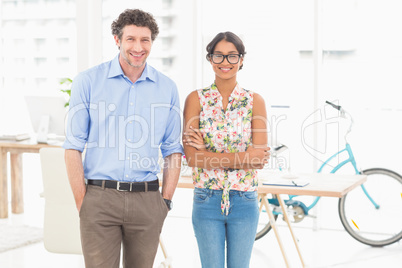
{"x": 226, "y": 70}
{"x": 135, "y": 46}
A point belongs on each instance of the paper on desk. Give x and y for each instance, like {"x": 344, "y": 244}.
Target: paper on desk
{"x": 14, "y": 136}
{"x": 296, "y": 182}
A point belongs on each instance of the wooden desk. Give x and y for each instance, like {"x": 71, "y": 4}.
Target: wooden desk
{"x": 16, "y": 149}
{"x": 329, "y": 185}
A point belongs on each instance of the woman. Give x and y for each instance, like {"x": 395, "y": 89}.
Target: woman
{"x": 225, "y": 140}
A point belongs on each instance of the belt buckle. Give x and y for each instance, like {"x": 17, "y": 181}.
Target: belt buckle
{"x": 121, "y": 190}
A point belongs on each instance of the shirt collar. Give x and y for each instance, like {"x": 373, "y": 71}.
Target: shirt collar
{"x": 148, "y": 72}
{"x": 236, "y": 93}
{"x": 116, "y": 70}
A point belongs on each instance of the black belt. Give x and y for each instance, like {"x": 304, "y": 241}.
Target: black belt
{"x": 127, "y": 186}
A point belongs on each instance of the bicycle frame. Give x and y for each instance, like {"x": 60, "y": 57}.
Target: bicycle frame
{"x": 349, "y": 205}
{"x": 350, "y": 159}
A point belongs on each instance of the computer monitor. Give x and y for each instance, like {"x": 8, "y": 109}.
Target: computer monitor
{"x": 48, "y": 117}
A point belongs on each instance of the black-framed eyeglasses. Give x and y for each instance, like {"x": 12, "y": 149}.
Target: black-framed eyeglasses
{"x": 219, "y": 58}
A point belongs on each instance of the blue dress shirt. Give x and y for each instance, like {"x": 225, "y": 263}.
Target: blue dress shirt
{"x": 122, "y": 125}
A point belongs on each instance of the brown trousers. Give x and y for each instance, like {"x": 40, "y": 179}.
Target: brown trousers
{"x": 109, "y": 218}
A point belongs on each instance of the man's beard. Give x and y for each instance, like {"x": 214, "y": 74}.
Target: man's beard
{"x": 132, "y": 65}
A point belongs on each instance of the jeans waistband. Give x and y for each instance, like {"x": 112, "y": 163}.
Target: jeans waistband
{"x": 219, "y": 192}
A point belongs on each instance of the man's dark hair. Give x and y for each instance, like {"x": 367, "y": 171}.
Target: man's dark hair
{"x": 230, "y": 37}
{"x": 135, "y": 17}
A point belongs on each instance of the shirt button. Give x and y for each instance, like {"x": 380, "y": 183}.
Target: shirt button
{"x": 126, "y": 176}
{"x": 130, "y": 122}
{"x": 129, "y": 139}
{"x": 131, "y": 104}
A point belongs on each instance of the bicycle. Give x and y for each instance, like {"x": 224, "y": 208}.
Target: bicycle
{"x": 368, "y": 213}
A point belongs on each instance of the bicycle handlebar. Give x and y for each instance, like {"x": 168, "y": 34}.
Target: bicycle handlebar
{"x": 333, "y": 105}
{"x": 343, "y": 114}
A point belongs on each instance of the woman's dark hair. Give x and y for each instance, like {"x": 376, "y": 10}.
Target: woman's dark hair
{"x": 229, "y": 37}
{"x": 135, "y": 17}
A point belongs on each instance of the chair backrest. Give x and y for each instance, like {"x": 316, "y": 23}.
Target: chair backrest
{"x": 61, "y": 224}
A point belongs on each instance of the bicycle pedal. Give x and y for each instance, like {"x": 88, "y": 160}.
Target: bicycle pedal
{"x": 312, "y": 216}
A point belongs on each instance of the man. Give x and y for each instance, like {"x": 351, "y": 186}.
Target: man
{"x": 121, "y": 113}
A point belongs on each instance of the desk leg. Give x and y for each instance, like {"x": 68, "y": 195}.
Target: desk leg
{"x": 3, "y": 185}
{"x": 168, "y": 261}
{"x": 264, "y": 203}
{"x": 17, "y": 197}
{"x": 285, "y": 215}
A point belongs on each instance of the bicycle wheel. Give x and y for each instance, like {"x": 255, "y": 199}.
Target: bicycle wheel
{"x": 264, "y": 225}
{"x": 374, "y": 226}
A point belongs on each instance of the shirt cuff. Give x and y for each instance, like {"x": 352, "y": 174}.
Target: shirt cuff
{"x": 171, "y": 149}
{"x": 74, "y": 143}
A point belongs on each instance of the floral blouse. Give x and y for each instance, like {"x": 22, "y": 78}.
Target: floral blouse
{"x": 226, "y": 132}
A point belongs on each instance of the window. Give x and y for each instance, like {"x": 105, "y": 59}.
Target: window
{"x": 35, "y": 35}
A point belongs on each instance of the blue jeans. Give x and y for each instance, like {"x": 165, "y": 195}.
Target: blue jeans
{"x": 212, "y": 228}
